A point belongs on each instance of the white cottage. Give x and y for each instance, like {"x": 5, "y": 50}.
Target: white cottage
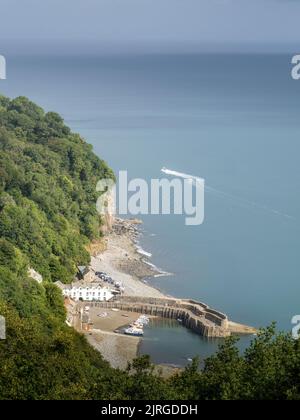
{"x": 87, "y": 292}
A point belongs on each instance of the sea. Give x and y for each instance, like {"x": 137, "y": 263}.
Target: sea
{"x": 232, "y": 119}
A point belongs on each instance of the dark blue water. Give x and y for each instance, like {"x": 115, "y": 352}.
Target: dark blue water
{"x": 233, "y": 120}
{"x": 169, "y": 342}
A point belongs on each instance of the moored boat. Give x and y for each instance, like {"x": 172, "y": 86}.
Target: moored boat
{"x": 134, "y": 331}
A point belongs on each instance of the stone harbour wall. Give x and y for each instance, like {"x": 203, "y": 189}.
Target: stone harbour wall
{"x": 194, "y": 315}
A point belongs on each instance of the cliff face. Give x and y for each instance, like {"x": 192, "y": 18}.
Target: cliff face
{"x": 108, "y": 219}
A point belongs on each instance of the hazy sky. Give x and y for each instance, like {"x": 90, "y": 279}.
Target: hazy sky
{"x": 200, "y": 23}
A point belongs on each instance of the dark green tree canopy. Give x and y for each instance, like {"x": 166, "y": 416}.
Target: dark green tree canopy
{"x": 47, "y": 188}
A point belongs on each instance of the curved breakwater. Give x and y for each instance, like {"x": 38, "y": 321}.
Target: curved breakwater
{"x": 194, "y": 315}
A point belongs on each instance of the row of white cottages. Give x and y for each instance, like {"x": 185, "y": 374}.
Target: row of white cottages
{"x": 86, "y": 291}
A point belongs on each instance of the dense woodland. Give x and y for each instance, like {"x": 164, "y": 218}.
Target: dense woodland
{"x": 48, "y": 215}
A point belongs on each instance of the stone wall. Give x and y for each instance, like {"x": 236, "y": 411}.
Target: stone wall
{"x": 194, "y": 315}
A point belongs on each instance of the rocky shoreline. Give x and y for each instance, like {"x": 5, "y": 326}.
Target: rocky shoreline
{"x": 125, "y": 261}
{"x": 121, "y": 258}
{"x": 138, "y": 266}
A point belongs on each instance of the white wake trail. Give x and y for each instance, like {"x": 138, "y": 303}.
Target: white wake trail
{"x": 247, "y": 203}
{"x": 181, "y": 175}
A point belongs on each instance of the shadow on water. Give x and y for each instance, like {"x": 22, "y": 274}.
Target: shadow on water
{"x": 169, "y": 342}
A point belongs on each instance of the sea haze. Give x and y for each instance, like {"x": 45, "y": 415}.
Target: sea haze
{"x": 231, "y": 119}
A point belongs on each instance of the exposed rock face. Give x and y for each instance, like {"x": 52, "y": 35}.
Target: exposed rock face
{"x": 35, "y": 275}
{"x": 126, "y": 227}
{"x": 2, "y": 328}
{"x": 108, "y": 219}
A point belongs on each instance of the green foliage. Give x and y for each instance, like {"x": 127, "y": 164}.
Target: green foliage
{"x": 269, "y": 370}
{"x": 47, "y": 189}
{"x": 12, "y": 258}
{"x": 48, "y": 179}
{"x": 36, "y": 365}
{"x": 55, "y": 301}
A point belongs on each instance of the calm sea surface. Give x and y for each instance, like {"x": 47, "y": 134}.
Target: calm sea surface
{"x": 233, "y": 120}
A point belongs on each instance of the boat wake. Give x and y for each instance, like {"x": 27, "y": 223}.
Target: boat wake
{"x": 181, "y": 175}
{"x": 221, "y": 194}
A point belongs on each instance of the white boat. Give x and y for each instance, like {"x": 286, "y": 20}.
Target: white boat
{"x": 143, "y": 319}
{"x": 137, "y": 327}
{"x": 136, "y": 324}
{"x": 138, "y": 332}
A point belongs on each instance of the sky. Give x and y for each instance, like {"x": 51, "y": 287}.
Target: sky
{"x": 146, "y": 24}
